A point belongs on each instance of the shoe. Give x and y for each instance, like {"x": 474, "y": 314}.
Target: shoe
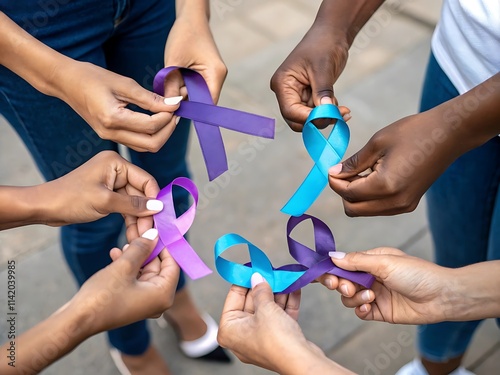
{"x": 416, "y": 367}
{"x": 117, "y": 359}
{"x": 206, "y": 347}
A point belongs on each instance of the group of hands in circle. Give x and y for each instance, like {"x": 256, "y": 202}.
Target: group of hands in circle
{"x": 258, "y": 326}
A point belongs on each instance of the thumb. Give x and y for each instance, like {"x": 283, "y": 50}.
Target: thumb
{"x": 322, "y": 86}
{"x": 262, "y": 292}
{"x": 150, "y": 101}
{"x": 357, "y": 163}
{"x": 138, "y": 250}
{"x": 355, "y": 261}
{"x": 133, "y": 205}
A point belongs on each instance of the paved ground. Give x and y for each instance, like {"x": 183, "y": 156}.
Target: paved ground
{"x": 380, "y": 85}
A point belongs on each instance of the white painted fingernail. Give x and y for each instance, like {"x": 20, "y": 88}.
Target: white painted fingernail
{"x": 154, "y": 205}
{"x": 336, "y": 254}
{"x": 177, "y": 120}
{"x": 256, "y": 279}
{"x": 174, "y": 100}
{"x": 125, "y": 246}
{"x": 150, "y": 234}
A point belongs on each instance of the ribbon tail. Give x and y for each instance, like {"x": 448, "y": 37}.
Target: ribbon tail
{"x": 306, "y": 194}
{"x": 212, "y": 149}
{"x": 188, "y": 260}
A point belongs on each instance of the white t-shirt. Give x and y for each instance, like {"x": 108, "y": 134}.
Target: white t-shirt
{"x": 466, "y": 42}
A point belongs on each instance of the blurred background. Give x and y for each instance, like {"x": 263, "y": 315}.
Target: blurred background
{"x": 380, "y": 84}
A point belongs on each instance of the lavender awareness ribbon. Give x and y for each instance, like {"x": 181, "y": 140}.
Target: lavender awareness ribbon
{"x": 288, "y": 278}
{"x": 171, "y": 230}
{"x": 209, "y": 118}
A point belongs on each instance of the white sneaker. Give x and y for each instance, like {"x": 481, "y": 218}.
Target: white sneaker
{"x": 416, "y": 367}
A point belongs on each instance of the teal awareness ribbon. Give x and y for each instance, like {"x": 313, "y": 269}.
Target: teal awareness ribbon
{"x": 325, "y": 152}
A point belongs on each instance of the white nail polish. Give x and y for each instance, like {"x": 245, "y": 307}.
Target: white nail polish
{"x": 150, "y": 234}
{"x": 177, "y": 120}
{"x": 337, "y": 254}
{"x": 174, "y": 100}
{"x": 154, "y": 205}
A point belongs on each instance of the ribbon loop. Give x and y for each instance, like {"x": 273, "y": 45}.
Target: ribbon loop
{"x": 325, "y": 152}
{"x": 286, "y": 279}
{"x": 209, "y": 118}
{"x": 171, "y": 230}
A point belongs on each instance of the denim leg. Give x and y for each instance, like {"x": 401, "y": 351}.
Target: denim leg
{"x": 138, "y": 53}
{"x": 460, "y": 205}
{"x": 58, "y": 139}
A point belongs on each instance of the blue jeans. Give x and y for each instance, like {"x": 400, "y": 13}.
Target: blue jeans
{"x": 464, "y": 218}
{"x": 124, "y": 36}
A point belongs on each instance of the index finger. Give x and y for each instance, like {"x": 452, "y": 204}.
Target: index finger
{"x": 235, "y": 300}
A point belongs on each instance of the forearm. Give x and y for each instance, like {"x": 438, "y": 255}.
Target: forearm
{"x": 35, "y": 62}
{"x": 308, "y": 361}
{"x": 193, "y": 8}
{"x": 20, "y": 206}
{"x": 475, "y": 292}
{"x": 474, "y": 117}
{"x": 344, "y": 18}
{"x": 45, "y": 343}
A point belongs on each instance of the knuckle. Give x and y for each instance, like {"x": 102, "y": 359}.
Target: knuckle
{"x": 136, "y": 201}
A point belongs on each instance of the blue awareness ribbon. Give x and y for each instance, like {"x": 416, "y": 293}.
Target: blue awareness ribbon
{"x": 325, "y": 152}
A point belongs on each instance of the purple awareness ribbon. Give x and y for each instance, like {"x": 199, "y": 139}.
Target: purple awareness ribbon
{"x": 171, "y": 231}
{"x": 286, "y": 279}
{"x": 209, "y": 118}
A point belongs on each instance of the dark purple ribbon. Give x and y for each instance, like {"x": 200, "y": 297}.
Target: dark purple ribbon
{"x": 209, "y": 118}
{"x": 288, "y": 278}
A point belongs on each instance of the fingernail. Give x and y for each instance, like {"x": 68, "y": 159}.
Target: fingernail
{"x": 363, "y": 308}
{"x": 329, "y": 284}
{"x": 256, "y": 279}
{"x": 336, "y": 254}
{"x": 326, "y": 100}
{"x": 347, "y": 117}
{"x": 154, "y": 205}
{"x": 366, "y": 295}
{"x": 174, "y": 100}
{"x": 345, "y": 290}
{"x": 150, "y": 234}
{"x": 335, "y": 170}
{"x": 177, "y": 120}
{"x": 125, "y": 246}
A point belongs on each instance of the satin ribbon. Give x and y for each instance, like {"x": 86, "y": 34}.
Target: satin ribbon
{"x": 288, "y": 278}
{"x": 209, "y": 118}
{"x": 325, "y": 153}
{"x": 171, "y": 230}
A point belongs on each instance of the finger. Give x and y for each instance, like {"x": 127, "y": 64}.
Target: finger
{"x": 173, "y": 84}
{"x": 170, "y": 270}
{"x": 138, "y": 122}
{"x": 363, "y": 261}
{"x": 347, "y": 288}
{"x": 293, "y": 304}
{"x": 132, "y": 205}
{"x": 365, "y": 312}
{"x": 322, "y": 79}
{"x": 141, "y": 142}
{"x": 131, "y": 92}
{"x": 330, "y": 281}
{"x": 261, "y": 291}
{"x": 138, "y": 251}
{"x": 115, "y": 253}
{"x": 143, "y": 182}
{"x": 235, "y": 300}
{"x": 362, "y": 297}
{"x": 360, "y": 189}
{"x": 357, "y": 163}
{"x": 281, "y": 300}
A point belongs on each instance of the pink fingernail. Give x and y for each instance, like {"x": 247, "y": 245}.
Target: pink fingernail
{"x": 326, "y": 100}
{"x": 335, "y": 170}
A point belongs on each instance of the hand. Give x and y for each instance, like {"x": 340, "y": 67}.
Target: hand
{"x": 106, "y": 183}
{"x": 260, "y": 327}
{"x": 194, "y": 48}
{"x": 123, "y": 293}
{"x": 405, "y": 158}
{"x": 100, "y": 97}
{"x": 407, "y": 290}
{"x": 305, "y": 79}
